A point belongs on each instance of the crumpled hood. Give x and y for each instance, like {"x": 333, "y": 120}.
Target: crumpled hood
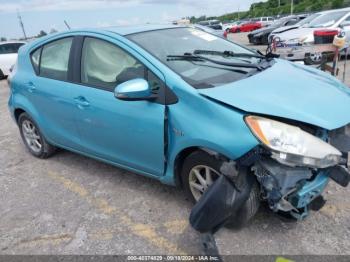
{"x": 290, "y": 91}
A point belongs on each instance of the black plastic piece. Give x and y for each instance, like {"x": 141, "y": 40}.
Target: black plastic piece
{"x": 317, "y": 203}
{"x": 221, "y": 202}
{"x": 340, "y": 175}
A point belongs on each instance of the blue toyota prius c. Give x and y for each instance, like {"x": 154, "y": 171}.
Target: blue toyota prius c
{"x": 184, "y": 106}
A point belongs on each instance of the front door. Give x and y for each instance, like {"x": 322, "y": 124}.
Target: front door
{"x": 128, "y": 133}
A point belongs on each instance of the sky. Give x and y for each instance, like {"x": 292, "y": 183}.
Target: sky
{"x": 50, "y": 14}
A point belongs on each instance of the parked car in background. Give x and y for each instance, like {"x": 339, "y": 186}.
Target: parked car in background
{"x": 228, "y": 26}
{"x": 8, "y": 56}
{"x": 220, "y": 33}
{"x": 303, "y": 23}
{"x": 261, "y": 36}
{"x": 264, "y": 21}
{"x": 185, "y": 107}
{"x": 215, "y": 24}
{"x": 246, "y": 27}
{"x": 292, "y": 42}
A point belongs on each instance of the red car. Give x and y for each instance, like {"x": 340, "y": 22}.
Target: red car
{"x": 246, "y": 27}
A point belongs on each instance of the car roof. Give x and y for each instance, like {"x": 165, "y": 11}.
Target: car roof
{"x": 128, "y": 30}
{"x": 335, "y": 10}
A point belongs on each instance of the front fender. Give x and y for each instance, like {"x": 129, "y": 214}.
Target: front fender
{"x": 196, "y": 121}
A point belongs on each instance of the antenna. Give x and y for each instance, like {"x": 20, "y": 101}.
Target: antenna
{"x": 21, "y": 24}
{"x": 67, "y": 25}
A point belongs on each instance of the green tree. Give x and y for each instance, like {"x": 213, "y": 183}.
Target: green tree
{"x": 337, "y": 3}
{"x": 42, "y": 33}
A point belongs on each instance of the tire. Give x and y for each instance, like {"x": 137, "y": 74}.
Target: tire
{"x": 201, "y": 158}
{"x": 2, "y": 76}
{"x": 248, "y": 210}
{"x": 238, "y": 30}
{"x": 29, "y": 132}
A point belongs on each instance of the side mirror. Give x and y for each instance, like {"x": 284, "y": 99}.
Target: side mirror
{"x": 134, "y": 90}
{"x": 344, "y": 24}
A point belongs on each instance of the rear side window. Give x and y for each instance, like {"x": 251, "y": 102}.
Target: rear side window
{"x": 54, "y": 59}
{"x": 105, "y": 65}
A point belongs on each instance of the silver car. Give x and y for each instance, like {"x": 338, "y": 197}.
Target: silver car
{"x": 293, "y": 43}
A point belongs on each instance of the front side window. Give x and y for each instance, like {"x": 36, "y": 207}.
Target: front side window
{"x": 55, "y": 58}
{"x": 105, "y": 65}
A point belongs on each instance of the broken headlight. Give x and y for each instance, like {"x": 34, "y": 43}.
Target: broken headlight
{"x": 292, "y": 146}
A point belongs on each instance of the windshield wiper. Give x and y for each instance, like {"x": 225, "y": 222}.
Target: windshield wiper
{"x": 191, "y": 57}
{"x": 269, "y": 56}
{"x": 227, "y": 54}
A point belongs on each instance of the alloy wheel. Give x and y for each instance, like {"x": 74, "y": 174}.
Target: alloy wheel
{"x": 31, "y": 136}
{"x": 200, "y": 178}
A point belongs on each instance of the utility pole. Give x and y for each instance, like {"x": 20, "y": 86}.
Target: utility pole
{"x": 279, "y": 3}
{"x": 67, "y": 25}
{"x": 21, "y": 24}
{"x": 291, "y": 6}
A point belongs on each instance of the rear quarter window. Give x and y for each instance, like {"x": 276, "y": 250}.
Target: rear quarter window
{"x": 35, "y": 58}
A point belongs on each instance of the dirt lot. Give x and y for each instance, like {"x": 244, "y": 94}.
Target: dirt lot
{"x": 70, "y": 204}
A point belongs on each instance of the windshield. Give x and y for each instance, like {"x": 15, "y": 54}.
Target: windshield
{"x": 327, "y": 20}
{"x": 280, "y": 22}
{"x": 308, "y": 19}
{"x": 199, "y": 74}
{"x": 10, "y": 48}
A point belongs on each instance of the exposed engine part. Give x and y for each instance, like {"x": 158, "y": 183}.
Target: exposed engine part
{"x": 279, "y": 182}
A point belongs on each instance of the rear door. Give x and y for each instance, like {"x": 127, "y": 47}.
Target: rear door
{"x": 128, "y": 133}
{"x": 51, "y": 92}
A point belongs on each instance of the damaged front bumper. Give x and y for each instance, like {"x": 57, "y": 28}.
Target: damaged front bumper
{"x": 294, "y": 189}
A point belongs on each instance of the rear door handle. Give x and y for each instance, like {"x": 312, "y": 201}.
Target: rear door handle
{"x": 81, "y": 101}
{"x": 30, "y": 87}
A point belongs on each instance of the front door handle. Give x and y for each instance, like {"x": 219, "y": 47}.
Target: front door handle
{"x": 81, "y": 101}
{"x": 31, "y": 87}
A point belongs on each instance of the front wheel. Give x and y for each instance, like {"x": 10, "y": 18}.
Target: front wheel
{"x": 33, "y": 138}
{"x": 200, "y": 170}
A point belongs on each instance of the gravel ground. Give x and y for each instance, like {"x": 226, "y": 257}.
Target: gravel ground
{"x": 70, "y": 204}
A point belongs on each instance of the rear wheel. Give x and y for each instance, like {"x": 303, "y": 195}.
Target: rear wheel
{"x": 33, "y": 138}
{"x": 200, "y": 170}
